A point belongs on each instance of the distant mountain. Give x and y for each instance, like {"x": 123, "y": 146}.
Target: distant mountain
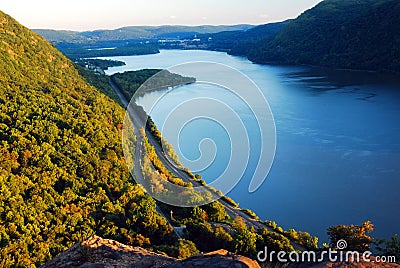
{"x": 136, "y": 32}
{"x": 237, "y": 42}
{"x": 58, "y": 35}
{"x": 355, "y": 34}
{"x": 251, "y": 36}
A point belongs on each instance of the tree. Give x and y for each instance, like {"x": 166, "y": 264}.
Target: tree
{"x": 355, "y": 236}
{"x": 199, "y": 215}
{"x": 182, "y": 249}
{"x": 390, "y": 247}
{"x": 207, "y": 238}
{"x": 186, "y": 249}
{"x": 274, "y": 241}
{"x": 245, "y": 242}
{"x": 201, "y": 234}
{"x": 216, "y": 211}
{"x": 222, "y": 239}
{"x": 239, "y": 223}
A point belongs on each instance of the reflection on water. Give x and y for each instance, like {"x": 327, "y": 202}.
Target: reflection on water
{"x": 338, "y": 142}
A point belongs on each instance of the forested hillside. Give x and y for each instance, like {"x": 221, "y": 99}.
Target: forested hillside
{"x": 63, "y": 176}
{"x": 62, "y": 172}
{"x": 129, "y": 82}
{"x": 238, "y": 42}
{"x": 252, "y": 36}
{"x": 356, "y": 34}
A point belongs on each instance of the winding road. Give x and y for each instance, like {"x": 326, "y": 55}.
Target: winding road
{"x": 179, "y": 173}
{"x": 233, "y": 212}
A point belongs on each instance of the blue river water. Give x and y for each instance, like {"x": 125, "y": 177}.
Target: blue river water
{"x": 338, "y": 141}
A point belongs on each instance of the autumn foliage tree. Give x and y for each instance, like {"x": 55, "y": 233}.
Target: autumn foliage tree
{"x": 355, "y": 236}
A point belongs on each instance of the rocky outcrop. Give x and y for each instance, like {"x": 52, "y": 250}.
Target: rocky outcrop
{"x": 96, "y": 252}
{"x": 220, "y": 258}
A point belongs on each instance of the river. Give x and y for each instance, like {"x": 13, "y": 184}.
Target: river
{"x": 338, "y": 141}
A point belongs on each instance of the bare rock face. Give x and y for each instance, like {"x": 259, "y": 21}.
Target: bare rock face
{"x": 96, "y": 252}
{"x": 220, "y": 258}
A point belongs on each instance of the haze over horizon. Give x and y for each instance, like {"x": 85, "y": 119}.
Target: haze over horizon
{"x": 102, "y": 14}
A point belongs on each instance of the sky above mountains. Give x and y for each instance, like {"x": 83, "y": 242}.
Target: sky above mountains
{"x": 106, "y": 14}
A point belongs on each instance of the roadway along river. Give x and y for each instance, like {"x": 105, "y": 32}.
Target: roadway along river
{"x": 338, "y": 142}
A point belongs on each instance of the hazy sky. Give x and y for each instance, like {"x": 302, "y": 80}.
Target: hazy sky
{"x": 111, "y": 14}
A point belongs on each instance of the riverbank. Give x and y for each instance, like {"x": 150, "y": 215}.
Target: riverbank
{"x": 317, "y": 160}
{"x": 247, "y": 218}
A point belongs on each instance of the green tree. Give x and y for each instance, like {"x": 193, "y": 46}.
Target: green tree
{"x": 199, "y": 215}
{"x": 389, "y": 247}
{"x": 274, "y": 241}
{"x": 186, "y": 248}
{"x": 245, "y": 242}
{"x": 216, "y": 211}
{"x": 355, "y": 236}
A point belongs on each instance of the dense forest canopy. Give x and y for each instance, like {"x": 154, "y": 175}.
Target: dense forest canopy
{"x": 355, "y": 34}
{"x": 129, "y": 82}
{"x": 62, "y": 172}
{"x": 238, "y": 42}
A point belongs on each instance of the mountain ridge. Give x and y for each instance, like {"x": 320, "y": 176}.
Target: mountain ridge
{"x": 135, "y": 32}
{"x": 354, "y": 34}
